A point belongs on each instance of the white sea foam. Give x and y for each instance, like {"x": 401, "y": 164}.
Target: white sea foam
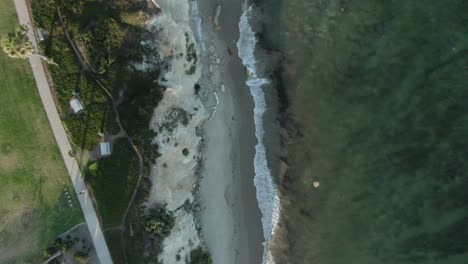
{"x": 267, "y": 195}
{"x": 195, "y": 14}
{"x": 215, "y": 108}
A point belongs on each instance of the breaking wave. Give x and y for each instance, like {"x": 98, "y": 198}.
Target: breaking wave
{"x": 267, "y": 195}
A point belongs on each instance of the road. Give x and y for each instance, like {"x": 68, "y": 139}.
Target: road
{"x": 63, "y": 143}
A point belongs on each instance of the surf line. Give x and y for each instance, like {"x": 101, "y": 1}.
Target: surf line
{"x": 215, "y": 108}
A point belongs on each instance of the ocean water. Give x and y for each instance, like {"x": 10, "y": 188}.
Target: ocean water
{"x": 377, "y": 94}
{"x": 267, "y": 195}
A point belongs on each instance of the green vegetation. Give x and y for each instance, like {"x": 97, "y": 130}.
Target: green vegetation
{"x": 49, "y": 252}
{"x": 191, "y": 56}
{"x": 81, "y": 257}
{"x": 113, "y": 182}
{"x": 185, "y": 151}
{"x": 105, "y": 39}
{"x": 93, "y": 169}
{"x": 63, "y": 245}
{"x": 69, "y": 78}
{"x": 17, "y": 44}
{"x": 34, "y": 207}
{"x": 200, "y": 256}
{"x": 66, "y": 246}
{"x": 159, "y": 222}
{"x": 378, "y": 113}
{"x": 108, "y": 33}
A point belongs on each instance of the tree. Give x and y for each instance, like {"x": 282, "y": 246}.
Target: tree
{"x": 81, "y": 257}
{"x": 93, "y": 169}
{"x": 66, "y": 246}
{"x": 159, "y": 222}
{"x": 18, "y": 46}
{"x": 199, "y": 256}
{"x": 50, "y": 251}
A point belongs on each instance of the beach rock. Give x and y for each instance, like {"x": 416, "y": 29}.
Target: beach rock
{"x": 211, "y": 49}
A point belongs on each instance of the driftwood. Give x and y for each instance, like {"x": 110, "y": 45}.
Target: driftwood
{"x": 153, "y": 4}
{"x": 216, "y": 17}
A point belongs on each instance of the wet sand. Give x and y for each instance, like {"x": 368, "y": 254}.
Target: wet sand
{"x": 231, "y": 223}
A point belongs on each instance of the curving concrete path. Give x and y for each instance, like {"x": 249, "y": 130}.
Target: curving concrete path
{"x": 63, "y": 143}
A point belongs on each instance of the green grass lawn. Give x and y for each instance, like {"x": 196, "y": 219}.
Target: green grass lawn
{"x": 113, "y": 182}
{"x": 33, "y": 208}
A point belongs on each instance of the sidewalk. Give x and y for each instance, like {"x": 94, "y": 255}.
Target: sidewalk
{"x": 63, "y": 143}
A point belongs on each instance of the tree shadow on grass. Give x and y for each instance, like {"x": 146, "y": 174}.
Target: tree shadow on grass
{"x": 60, "y": 216}
{"x": 113, "y": 238}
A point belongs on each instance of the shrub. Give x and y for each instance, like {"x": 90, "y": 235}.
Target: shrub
{"x": 66, "y": 246}
{"x": 81, "y": 257}
{"x": 134, "y": 19}
{"x": 159, "y": 222}
{"x": 49, "y": 252}
{"x": 199, "y": 256}
{"x": 71, "y": 153}
{"x": 93, "y": 168}
{"x": 58, "y": 242}
{"x": 185, "y": 151}
{"x": 44, "y": 13}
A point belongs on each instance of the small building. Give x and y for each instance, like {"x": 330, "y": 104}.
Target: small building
{"x": 105, "y": 148}
{"x": 76, "y": 105}
{"x": 40, "y": 34}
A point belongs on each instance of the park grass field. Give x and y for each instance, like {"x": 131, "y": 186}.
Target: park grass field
{"x": 33, "y": 208}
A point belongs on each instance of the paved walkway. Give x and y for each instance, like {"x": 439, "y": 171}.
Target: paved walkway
{"x": 63, "y": 143}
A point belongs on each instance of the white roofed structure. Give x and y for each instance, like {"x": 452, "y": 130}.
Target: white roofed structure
{"x": 105, "y": 149}
{"x": 76, "y": 105}
{"x": 40, "y": 34}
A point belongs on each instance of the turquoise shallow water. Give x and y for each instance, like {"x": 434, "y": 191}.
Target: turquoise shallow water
{"x": 377, "y": 113}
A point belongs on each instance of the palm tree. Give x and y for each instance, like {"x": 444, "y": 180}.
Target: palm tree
{"x": 18, "y": 46}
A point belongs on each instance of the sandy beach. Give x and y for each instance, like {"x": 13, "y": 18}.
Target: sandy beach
{"x": 230, "y": 217}
{"x": 206, "y": 135}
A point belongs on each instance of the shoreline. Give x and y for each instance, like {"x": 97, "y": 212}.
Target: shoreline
{"x": 271, "y": 47}
{"x": 229, "y": 202}
{"x": 211, "y": 134}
